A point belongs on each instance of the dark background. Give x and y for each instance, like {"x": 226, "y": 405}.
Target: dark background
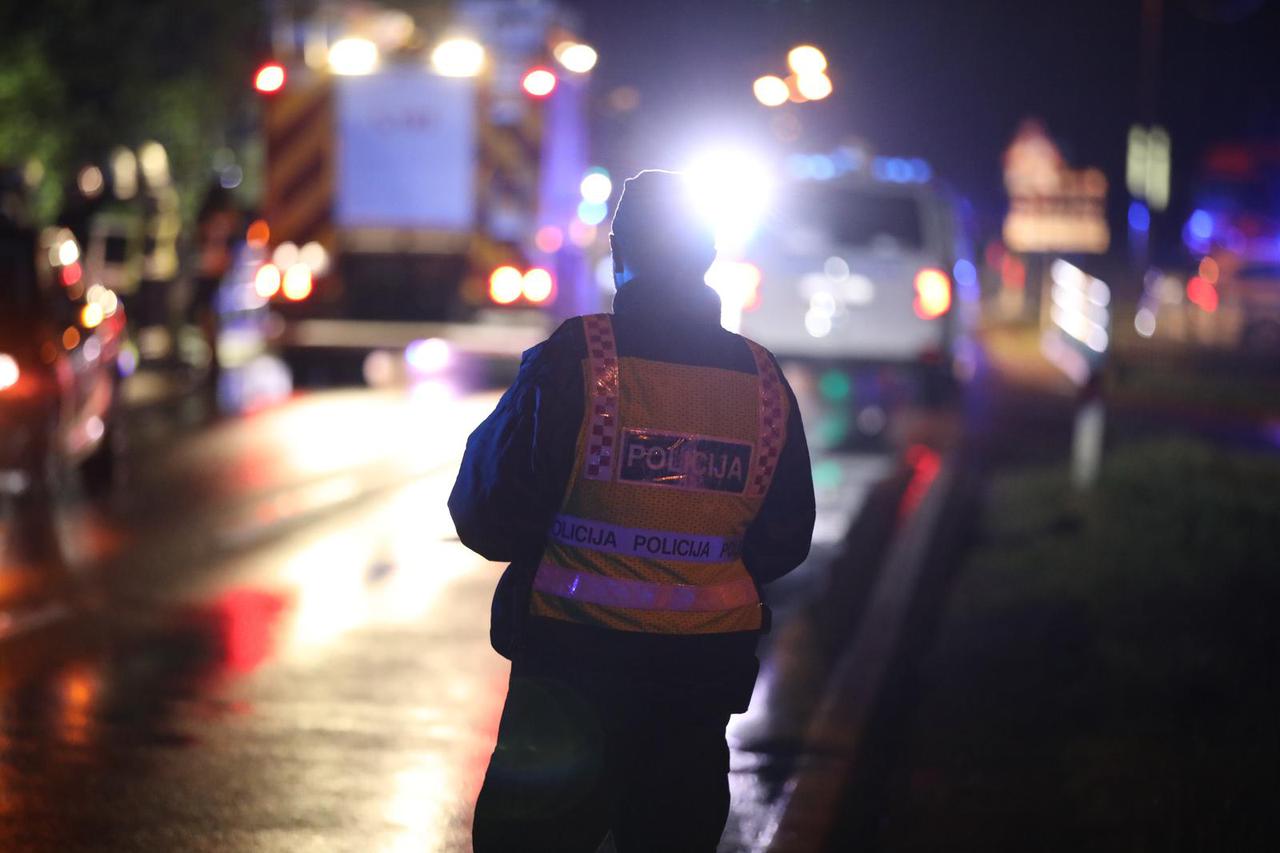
{"x": 945, "y": 80}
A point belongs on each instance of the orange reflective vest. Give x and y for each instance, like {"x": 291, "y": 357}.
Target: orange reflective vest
{"x": 673, "y": 463}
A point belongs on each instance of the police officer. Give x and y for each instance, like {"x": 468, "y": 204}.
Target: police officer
{"x": 645, "y": 476}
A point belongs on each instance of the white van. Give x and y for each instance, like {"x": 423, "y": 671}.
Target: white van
{"x": 855, "y": 270}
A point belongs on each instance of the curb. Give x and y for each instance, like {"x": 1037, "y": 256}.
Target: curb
{"x": 809, "y": 809}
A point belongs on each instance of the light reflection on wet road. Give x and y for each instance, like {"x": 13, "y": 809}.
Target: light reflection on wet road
{"x": 275, "y": 642}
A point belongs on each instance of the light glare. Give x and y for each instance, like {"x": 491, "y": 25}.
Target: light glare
{"x": 266, "y": 282}
{"x": 297, "y": 282}
{"x": 806, "y": 59}
{"x": 539, "y": 82}
{"x": 270, "y": 78}
{"x": 91, "y": 315}
{"x": 596, "y": 187}
{"x": 770, "y": 90}
{"x": 731, "y": 190}
{"x": 538, "y": 285}
{"x": 9, "y": 372}
{"x": 353, "y": 56}
{"x": 458, "y": 57}
{"x": 90, "y": 181}
{"x": 814, "y": 87}
{"x": 505, "y": 285}
{"x": 576, "y": 57}
{"x": 315, "y": 257}
{"x": 68, "y": 252}
{"x": 933, "y": 293}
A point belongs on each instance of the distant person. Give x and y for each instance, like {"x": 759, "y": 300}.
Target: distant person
{"x": 645, "y": 476}
{"x": 219, "y": 226}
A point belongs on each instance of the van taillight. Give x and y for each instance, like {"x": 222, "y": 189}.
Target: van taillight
{"x": 933, "y": 293}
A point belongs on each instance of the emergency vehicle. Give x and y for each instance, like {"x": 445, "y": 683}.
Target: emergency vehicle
{"x": 1225, "y": 293}
{"x": 860, "y": 263}
{"x": 422, "y": 178}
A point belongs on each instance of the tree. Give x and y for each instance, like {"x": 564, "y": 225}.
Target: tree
{"x": 79, "y": 77}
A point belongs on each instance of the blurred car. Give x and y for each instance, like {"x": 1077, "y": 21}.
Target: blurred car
{"x": 1251, "y": 291}
{"x": 60, "y": 338}
{"x": 858, "y": 271}
{"x": 1228, "y": 302}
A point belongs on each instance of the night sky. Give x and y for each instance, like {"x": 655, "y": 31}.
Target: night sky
{"x": 948, "y": 80}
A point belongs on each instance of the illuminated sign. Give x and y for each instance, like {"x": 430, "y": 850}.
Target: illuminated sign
{"x": 1052, "y": 207}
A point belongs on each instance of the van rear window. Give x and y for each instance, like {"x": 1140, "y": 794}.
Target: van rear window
{"x": 856, "y": 219}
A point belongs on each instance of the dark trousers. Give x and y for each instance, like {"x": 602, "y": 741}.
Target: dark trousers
{"x": 579, "y": 757}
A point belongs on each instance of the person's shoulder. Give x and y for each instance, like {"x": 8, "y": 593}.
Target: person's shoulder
{"x": 759, "y": 351}
{"x": 566, "y": 342}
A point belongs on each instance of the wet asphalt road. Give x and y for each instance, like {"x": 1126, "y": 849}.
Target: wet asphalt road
{"x": 268, "y": 638}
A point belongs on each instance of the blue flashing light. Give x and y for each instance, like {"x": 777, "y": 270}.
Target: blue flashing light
{"x": 592, "y": 212}
{"x": 1139, "y": 216}
{"x": 821, "y": 167}
{"x": 848, "y": 159}
{"x": 965, "y": 274}
{"x": 798, "y": 166}
{"x": 1200, "y": 225}
{"x": 899, "y": 171}
{"x": 920, "y": 170}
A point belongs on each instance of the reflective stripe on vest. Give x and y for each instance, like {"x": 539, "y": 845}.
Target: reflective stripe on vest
{"x": 590, "y": 588}
{"x": 772, "y": 422}
{"x": 662, "y": 544}
{"x": 602, "y": 397}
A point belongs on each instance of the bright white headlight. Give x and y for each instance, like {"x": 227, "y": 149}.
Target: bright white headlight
{"x": 732, "y": 190}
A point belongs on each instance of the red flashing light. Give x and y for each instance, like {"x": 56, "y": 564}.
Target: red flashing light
{"x": 72, "y": 273}
{"x": 1202, "y": 293}
{"x": 539, "y": 82}
{"x": 270, "y": 78}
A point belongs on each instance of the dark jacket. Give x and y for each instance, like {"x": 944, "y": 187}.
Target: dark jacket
{"x": 517, "y": 468}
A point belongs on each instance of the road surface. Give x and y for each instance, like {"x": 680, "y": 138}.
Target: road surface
{"x": 269, "y": 638}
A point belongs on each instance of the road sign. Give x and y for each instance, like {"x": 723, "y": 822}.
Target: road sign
{"x": 1052, "y": 207}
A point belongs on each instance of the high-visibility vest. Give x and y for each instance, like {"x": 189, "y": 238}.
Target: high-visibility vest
{"x": 673, "y": 463}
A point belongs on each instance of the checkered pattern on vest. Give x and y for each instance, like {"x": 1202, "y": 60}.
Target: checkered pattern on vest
{"x": 773, "y": 421}
{"x": 602, "y": 356}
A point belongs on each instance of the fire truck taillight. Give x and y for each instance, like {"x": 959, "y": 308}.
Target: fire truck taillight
{"x": 933, "y": 294}
{"x": 270, "y": 78}
{"x": 505, "y": 285}
{"x": 539, "y": 82}
{"x": 538, "y": 285}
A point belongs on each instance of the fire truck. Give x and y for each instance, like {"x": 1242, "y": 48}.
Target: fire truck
{"x": 422, "y": 178}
